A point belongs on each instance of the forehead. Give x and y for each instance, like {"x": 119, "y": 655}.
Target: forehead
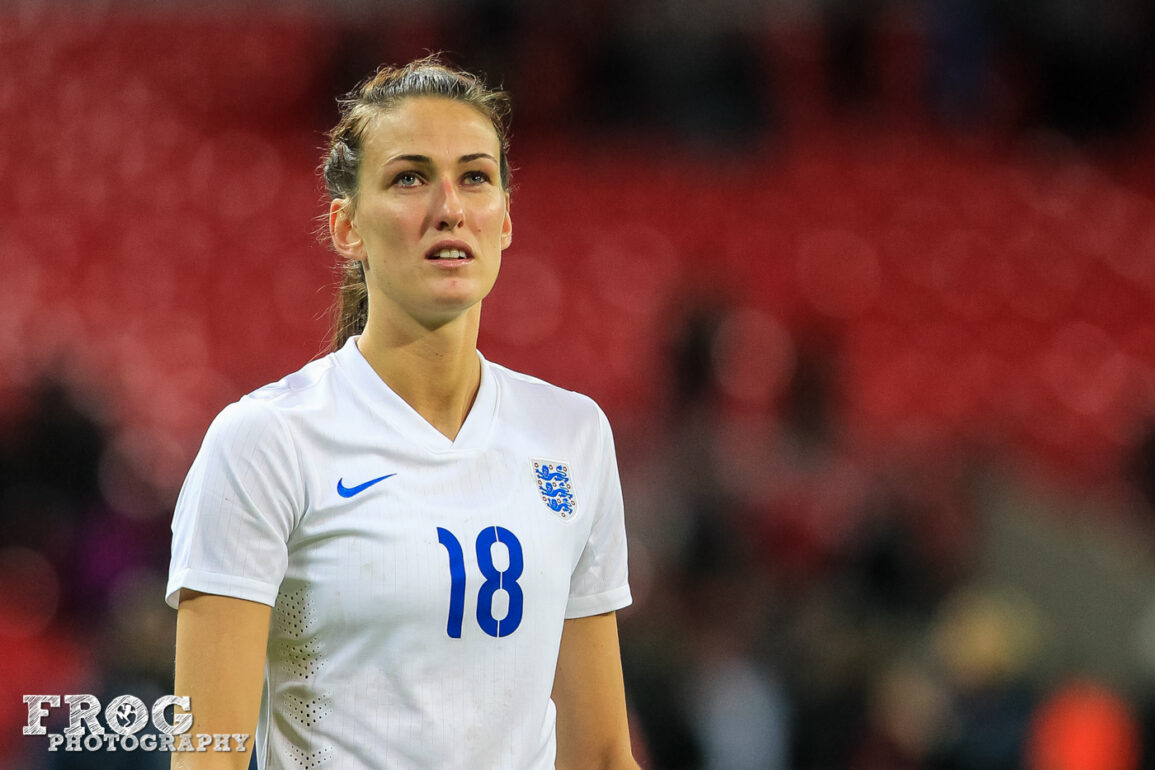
{"x": 432, "y": 126}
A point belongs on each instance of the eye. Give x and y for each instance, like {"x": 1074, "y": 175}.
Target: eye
{"x": 476, "y": 177}
{"x": 407, "y": 179}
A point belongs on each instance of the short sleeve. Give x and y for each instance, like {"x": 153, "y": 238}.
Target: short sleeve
{"x": 237, "y": 508}
{"x": 600, "y": 582}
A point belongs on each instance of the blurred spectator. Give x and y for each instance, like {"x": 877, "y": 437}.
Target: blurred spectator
{"x": 50, "y": 453}
{"x": 1093, "y": 63}
{"x": 78, "y": 579}
{"x": 961, "y": 38}
{"x": 1141, "y": 464}
{"x": 850, "y": 37}
{"x": 693, "y": 68}
{"x": 486, "y": 36}
{"x": 987, "y": 645}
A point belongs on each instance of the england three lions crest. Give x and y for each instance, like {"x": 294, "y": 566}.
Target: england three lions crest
{"x": 555, "y": 487}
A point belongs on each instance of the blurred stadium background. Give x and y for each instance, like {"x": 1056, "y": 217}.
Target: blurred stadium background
{"x": 867, "y": 289}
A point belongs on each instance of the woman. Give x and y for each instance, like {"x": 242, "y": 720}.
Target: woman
{"x": 403, "y": 555}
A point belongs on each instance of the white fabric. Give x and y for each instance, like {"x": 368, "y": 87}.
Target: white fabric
{"x": 362, "y": 671}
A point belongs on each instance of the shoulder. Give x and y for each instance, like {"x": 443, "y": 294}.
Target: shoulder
{"x": 563, "y": 419}
{"x": 315, "y": 379}
{"x": 533, "y": 393}
{"x": 270, "y": 409}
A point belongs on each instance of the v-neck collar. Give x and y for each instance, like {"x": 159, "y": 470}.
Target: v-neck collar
{"x": 384, "y": 402}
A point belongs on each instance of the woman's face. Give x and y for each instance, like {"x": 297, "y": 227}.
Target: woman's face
{"x": 431, "y": 218}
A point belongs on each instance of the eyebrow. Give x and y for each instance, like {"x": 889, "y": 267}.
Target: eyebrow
{"x": 426, "y": 160}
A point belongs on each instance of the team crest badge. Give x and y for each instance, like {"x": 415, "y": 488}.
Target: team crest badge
{"x": 555, "y": 487}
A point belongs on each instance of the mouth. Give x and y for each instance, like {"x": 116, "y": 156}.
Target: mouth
{"x": 449, "y": 254}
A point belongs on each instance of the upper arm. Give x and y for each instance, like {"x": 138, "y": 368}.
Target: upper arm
{"x": 589, "y": 694}
{"x": 237, "y": 509}
{"x": 220, "y": 666}
{"x": 599, "y": 581}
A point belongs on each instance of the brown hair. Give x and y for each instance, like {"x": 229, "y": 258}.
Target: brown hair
{"x": 427, "y": 76}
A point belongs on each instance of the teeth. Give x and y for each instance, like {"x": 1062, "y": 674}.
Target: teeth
{"x": 449, "y": 254}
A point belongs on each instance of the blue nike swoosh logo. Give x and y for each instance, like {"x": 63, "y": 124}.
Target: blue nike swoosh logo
{"x": 345, "y": 491}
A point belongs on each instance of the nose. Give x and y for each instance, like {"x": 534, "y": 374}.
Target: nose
{"x": 450, "y": 212}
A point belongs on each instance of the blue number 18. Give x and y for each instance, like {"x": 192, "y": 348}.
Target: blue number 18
{"x": 494, "y": 579}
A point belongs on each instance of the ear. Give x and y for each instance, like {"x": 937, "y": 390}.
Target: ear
{"x": 506, "y": 227}
{"x": 343, "y": 232}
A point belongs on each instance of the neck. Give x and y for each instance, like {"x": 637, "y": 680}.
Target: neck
{"x": 435, "y": 371}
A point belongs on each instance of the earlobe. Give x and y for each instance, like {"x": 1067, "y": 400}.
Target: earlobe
{"x": 342, "y": 230}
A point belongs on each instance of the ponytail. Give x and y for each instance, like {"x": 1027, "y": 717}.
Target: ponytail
{"x": 351, "y": 308}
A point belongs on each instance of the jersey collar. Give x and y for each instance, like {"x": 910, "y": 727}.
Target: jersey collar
{"x": 385, "y": 403}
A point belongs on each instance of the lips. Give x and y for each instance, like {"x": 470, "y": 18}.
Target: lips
{"x": 449, "y": 253}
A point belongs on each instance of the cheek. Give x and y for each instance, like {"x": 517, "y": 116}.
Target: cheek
{"x": 393, "y": 226}
{"x": 491, "y": 219}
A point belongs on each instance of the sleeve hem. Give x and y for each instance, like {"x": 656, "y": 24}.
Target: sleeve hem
{"x": 222, "y": 585}
{"x": 584, "y": 606}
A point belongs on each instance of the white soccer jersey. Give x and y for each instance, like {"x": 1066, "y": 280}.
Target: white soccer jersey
{"x": 418, "y": 584}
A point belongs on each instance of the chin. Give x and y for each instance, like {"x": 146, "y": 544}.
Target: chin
{"x": 461, "y": 297}
{"x": 448, "y": 308}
